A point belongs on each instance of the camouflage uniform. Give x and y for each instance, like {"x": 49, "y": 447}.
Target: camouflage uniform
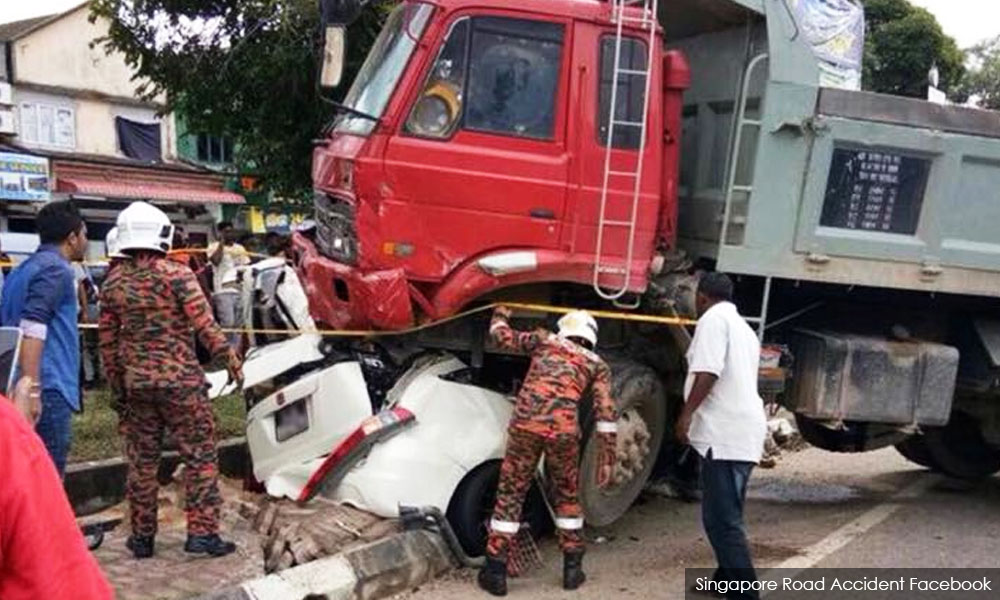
{"x": 151, "y": 308}
{"x": 545, "y": 421}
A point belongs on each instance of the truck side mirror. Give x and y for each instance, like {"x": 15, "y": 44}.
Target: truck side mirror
{"x": 333, "y": 56}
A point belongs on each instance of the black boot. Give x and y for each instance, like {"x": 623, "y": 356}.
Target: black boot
{"x": 140, "y": 545}
{"x": 573, "y": 575}
{"x": 493, "y": 577}
{"x": 211, "y": 544}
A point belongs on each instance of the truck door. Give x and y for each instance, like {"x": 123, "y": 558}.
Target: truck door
{"x": 480, "y": 160}
{"x": 594, "y": 54}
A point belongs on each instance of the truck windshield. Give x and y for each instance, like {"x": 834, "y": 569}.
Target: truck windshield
{"x": 377, "y": 78}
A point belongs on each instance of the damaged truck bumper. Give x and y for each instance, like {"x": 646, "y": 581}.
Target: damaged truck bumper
{"x": 345, "y": 297}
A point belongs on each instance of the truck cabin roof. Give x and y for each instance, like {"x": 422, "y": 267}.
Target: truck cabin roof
{"x": 679, "y": 18}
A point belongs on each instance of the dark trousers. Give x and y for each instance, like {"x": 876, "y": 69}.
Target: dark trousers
{"x": 55, "y": 428}
{"x": 724, "y": 490}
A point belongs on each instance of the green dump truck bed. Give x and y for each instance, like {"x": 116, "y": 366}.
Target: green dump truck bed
{"x": 784, "y": 178}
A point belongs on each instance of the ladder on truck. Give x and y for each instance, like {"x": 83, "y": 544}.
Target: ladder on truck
{"x": 641, "y": 14}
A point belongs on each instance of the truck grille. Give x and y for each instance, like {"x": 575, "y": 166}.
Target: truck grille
{"x": 336, "y": 234}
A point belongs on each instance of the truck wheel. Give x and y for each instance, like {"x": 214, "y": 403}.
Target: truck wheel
{"x": 959, "y": 450}
{"x": 642, "y": 406}
{"x": 914, "y": 449}
{"x": 852, "y": 437}
{"x": 471, "y": 508}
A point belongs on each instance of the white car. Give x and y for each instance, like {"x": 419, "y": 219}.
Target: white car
{"x": 349, "y": 426}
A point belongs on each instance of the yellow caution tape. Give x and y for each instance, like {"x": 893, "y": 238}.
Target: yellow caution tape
{"x": 601, "y": 314}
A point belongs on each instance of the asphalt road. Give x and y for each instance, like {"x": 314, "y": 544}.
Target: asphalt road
{"x": 815, "y": 509}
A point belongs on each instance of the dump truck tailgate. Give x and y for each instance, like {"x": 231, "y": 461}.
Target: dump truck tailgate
{"x": 866, "y": 189}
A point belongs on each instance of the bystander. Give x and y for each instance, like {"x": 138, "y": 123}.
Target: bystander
{"x": 723, "y": 419}
{"x": 42, "y": 553}
{"x": 40, "y": 297}
{"x": 226, "y": 257}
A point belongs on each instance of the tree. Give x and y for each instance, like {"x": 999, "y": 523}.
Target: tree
{"x": 903, "y": 42}
{"x": 983, "y": 77}
{"x": 242, "y": 69}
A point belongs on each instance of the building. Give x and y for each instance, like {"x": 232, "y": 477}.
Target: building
{"x": 262, "y": 211}
{"x": 72, "y": 126}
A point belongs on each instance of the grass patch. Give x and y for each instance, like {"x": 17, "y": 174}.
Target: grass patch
{"x": 95, "y": 431}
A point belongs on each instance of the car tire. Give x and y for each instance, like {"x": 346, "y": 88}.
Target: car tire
{"x": 472, "y": 503}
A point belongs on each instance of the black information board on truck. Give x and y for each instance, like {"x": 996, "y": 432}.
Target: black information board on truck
{"x": 875, "y": 190}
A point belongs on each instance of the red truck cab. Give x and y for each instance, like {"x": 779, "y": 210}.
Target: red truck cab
{"x": 472, "y": 156}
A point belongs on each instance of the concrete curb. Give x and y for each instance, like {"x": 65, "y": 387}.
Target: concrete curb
{"x": 372, "y": 571}
{"x": 95, "y": 485}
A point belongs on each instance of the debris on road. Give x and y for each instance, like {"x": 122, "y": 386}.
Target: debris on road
{"x": 293, "y": 534}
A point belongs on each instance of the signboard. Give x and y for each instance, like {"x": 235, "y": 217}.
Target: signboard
{"x": 875, "y": 190}
{"x": 24, "y": 177}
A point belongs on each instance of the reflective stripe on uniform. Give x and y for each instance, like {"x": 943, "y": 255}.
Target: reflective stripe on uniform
{"x": 607, "y": 427}
{"x": 510, "y": 527}
{"x": 569, "y": 522}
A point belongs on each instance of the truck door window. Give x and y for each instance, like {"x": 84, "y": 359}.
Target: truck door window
{"x": 631, "y": 94}
{"x": 514, "y": 76}
{"x": 493, "y": 74}
{"x": 440, "y": 103}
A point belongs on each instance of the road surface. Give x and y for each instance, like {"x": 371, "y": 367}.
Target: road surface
{"x": 815, "y": 509}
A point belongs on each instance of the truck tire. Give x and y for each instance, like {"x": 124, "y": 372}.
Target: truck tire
{"x": 642, "y": 405}
{"x": 914, "y": 449}
{"x": 959, "y": 450}
{"x": 853, "y": 437}
{"x": 471, "y": 508}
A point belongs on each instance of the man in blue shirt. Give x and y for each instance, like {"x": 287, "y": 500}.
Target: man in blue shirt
{"x": 40, "y": 297}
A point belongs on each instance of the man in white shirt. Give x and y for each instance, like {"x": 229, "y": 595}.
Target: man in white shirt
{"x": 226, "y": 257}
{"x": 723, "y": 420}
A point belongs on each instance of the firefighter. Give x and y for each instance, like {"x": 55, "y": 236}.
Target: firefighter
{"x": 113, "y": 250}
{"x": 149, "y": 308}
{"x": 115, "y": 258}
{"x": 563, "y": 367}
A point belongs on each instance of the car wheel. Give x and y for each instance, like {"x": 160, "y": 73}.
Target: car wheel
{"x": 471, "y": 508}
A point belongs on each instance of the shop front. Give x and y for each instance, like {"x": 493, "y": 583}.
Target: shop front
{"x": 102, "y": 187}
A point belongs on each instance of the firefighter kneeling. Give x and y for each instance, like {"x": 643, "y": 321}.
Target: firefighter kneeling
{"x": 151, "y": 309}
{"x": 563, "y": 367}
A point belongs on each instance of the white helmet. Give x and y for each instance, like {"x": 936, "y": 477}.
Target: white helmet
{"x": 578, "y": 323}
{"x": 142, "y": 226}
{"x": 111, "y": 246}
